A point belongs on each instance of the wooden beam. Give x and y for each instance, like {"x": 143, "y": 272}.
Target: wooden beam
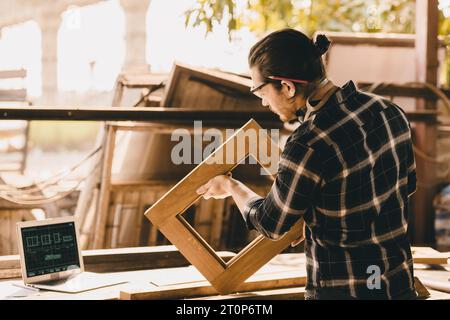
{"x": 163, "y": 115}
{"x": 105, "y": 183}
{"x": 399, "y": 90}
{"x": 174, "y": 116}
{"x": 427, "y": 255}
{"x": 13, "y": 95}
{"x": 143, "y": 80}
{"x": 11, "y": 74}
{"x": 426, "y": 134}
{"x": 375, "y": 39}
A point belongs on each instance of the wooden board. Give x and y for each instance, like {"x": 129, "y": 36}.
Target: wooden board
{"x": 427, "y": 255}
{"x": 190, "y": 87}
{"x": 202, "y": 288}
{"x": 8, "y": 235}
{"x": 13, "y": 95}
{"x": 166, "y": 214}
{"x": 11, "y": 74}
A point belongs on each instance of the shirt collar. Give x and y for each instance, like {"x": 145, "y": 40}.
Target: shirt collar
{"x": 339, "y": 96}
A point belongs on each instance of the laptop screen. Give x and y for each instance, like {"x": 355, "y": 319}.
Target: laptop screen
{"x": 50, "y": 248}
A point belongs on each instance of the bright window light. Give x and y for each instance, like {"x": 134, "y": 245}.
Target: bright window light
{"x": 20, "y": 48}
{"x": 91, "y": 47}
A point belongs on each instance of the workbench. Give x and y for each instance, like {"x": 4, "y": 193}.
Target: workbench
{"x": 152, "y": 271}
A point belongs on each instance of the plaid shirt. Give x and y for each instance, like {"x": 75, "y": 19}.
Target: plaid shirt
{"x": 348, "y": 170}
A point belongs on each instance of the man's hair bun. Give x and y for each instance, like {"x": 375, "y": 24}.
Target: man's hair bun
{"x": 322, "y": 44}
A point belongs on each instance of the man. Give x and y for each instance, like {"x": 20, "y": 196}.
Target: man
{"x": 347, "y": 170}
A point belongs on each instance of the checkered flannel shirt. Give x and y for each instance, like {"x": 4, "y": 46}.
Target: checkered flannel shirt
{"x": 348, "y": 170}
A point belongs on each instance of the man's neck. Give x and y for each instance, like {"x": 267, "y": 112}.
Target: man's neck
{"x": 322, "y": 91}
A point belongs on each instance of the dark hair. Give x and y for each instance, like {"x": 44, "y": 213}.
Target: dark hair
{"x": 290, "y": 53}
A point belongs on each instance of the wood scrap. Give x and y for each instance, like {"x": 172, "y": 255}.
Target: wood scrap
{"x": 190, "y": 87}
{"x": 440, "y": 285}
{"x": 427, "y": 255}
{"x": 422, "y": 292}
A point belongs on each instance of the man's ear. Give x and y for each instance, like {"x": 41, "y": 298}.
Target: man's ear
{"x": 288, "y": 89}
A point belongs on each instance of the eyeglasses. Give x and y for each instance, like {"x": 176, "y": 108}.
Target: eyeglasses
{"x": 255, "y": 90}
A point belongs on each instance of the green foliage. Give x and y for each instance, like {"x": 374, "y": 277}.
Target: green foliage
{"x": 261, "y": 16}
{"x": 308, "y": 15}
{"x": 208, "y": 12}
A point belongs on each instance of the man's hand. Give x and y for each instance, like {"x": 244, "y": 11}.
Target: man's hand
{"x": 300, "y": 239}
{"x": 216, "y": 188}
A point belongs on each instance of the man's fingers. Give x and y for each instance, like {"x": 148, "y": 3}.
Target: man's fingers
{"x": 204, "y": 188}
{"x": 207, "y": 196}
{"x": 201, "y": 190}
{"x": 297, "y": 241}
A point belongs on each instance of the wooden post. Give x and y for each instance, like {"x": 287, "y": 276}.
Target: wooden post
{"x": 104, "y": 196}
{"x": 426, "y": 134}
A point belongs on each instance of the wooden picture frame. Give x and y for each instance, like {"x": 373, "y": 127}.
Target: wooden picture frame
{"x": 166, "y": 215}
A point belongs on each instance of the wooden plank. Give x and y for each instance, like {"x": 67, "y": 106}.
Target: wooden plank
{"x": 13, "y": 95}
{"x": 426, "y": 134}
{"x": 427, "y": 255}
{"x": 87, "y": 227}
{"x": 376, "y": 39}
{"x": 210, "y": 116}
{"x": 104, "y": 195}
{"x": 422, "y": 292}
{"x": 4, "y": 167}
{"x": 118, "y": 92}
{"x": 143, "y": 80}
{"x": 127, "y": 221}
{"x": 198, "y": 289}
{"x": 443, "y": 286}
{"x": 198, "y": 85}
{"x": 153, "y": 232}
{"x": 138, "y": 219}
{"x": 11, "y": 74}
{"x": 296, "y": 293}
{"x": 4, "y": 232}
{"x": 402, "y": 90}
{"x": 114, "y": 218}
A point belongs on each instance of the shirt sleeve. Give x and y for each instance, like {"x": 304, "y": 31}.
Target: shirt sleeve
{"x": 412, "y": 177}
{"x": 298, "y": 176}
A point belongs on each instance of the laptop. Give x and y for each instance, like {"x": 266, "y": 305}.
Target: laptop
{"x": 50, "y": 257}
